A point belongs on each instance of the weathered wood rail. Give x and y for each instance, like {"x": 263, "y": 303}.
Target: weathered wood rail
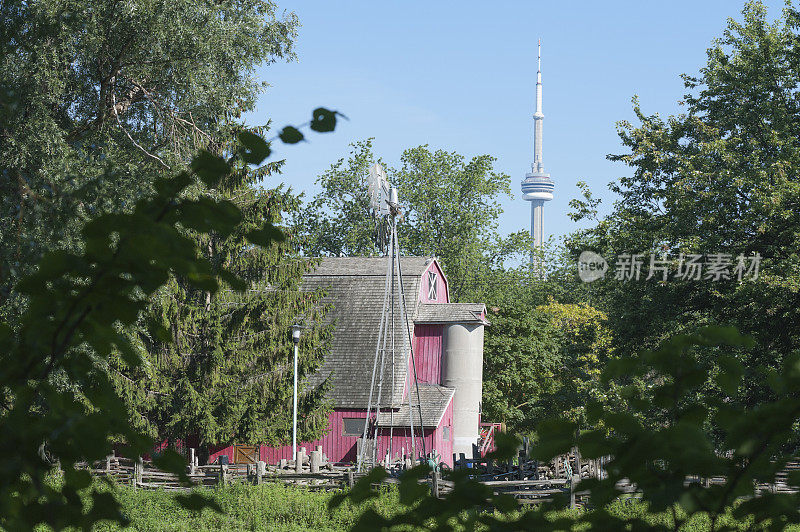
{"x": 527, "y": 481}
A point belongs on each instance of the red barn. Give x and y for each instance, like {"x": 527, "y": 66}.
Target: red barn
{"x": 448, "y": 351}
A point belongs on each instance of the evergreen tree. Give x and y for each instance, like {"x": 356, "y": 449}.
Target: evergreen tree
{"x": 220, "y": 365}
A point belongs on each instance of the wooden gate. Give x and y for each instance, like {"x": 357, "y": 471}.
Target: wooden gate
{"x": 245, "y": 454}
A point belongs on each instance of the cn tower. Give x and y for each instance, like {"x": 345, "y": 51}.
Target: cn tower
{"x": 537, "y": 187}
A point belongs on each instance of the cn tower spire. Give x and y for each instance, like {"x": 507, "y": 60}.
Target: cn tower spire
{"x": 538, "y": 118}
{"x": 537, "y": 187}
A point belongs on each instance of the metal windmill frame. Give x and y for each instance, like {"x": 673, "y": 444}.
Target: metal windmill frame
{"x": 385, "y": 210}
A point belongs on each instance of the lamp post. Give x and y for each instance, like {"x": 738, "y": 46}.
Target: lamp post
{"x": 295, "y": 340}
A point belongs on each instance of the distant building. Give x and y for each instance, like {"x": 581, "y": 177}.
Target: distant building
{"x": 537, "y": 187}
{"x": 448, "y": 351}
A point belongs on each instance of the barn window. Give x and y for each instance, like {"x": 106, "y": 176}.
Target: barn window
{"x": 353, "y": 426}
{"x": 431, "y": 286}
{"x": 446, "y": 433}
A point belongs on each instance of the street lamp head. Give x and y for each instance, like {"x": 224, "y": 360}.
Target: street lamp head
{"x": 296, "y": 333}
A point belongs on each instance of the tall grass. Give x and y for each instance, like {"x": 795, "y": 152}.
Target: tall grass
{"x": 246, "y": 507}
{"x": 278, "y": 507}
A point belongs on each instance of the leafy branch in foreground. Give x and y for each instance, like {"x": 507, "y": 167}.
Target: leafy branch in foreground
{"x": 58, "y": 403}
{"x": 663, "y": 439}
{"x": 672, "y": 436}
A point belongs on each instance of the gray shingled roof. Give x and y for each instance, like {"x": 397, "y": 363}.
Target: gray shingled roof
{"x": 367, "y": 266}
{"x": 355, "y": 288}
{"x": 434, "y": 399}
{"x": 450, "y": 313}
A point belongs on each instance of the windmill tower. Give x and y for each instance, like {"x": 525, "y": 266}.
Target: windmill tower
{"x": 385, "y": 211}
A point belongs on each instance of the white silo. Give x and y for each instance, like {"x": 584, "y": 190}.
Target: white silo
{"x": 462, "y": 369}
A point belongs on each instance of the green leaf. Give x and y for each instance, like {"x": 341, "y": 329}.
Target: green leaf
{"x": 210, "y": 168}
{"x": 730, "y": 374}
{"x": 410, "y": 489}
{"x": 254, "y": 148}
{"x": 290, "y": 135}
{"x": 171, "y": 461}
{"x": 506, "y": 446}
{"x": 234, "y": 281}
{"x": 106, "y": 508}
{"x": 203, "y": 281}
{"x": 195, "y": 502}
{"x": 206, "y": 214}
{"x": 266, "y": 235}
{"x": 362, "y": 490}
{"x": 323, "y": 120}
{"x": 77, "y": 478}
{"x": 556, "y": 436}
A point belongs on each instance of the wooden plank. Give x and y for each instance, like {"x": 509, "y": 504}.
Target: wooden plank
{"x": 550, "y": 482}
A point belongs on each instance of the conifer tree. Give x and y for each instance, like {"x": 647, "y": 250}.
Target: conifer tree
{"x": 220, "y": 365}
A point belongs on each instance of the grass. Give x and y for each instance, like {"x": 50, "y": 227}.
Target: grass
{"x": 266, "y": 507}
{"x": 284, "y": 508}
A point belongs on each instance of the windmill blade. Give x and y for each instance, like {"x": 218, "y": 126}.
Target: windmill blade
{"x": 378, "y": 190}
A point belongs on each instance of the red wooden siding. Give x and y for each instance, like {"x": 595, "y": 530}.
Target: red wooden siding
{"x": 342, "y": 449}
{"x": 442, "y": 295}
{"x": 445, "y": 446}
{"x": 428, "y": 353}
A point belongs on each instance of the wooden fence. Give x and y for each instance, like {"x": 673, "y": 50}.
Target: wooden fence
{"x": 527, "y": 481}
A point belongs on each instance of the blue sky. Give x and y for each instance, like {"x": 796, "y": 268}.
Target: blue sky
{"x": 461, "y": 76}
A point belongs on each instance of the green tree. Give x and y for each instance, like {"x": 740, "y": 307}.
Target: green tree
{"x": 657, "y": 441}
{"x": 522, "y": 364}
{"x": 720, "y": 178}
{"x": 110, "y": 96}
{"x": 449, "y": 206}
{"x": 452, "y": 212}
{"x": 219, "y": 366}
{"x": 584, "y": 348}
{"x": 338, "y": 221}
{"x": 59, "y": 404}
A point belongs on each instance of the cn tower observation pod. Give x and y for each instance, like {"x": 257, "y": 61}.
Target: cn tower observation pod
{"x": 537, "y": 187}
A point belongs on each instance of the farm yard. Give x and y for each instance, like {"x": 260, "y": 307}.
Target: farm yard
{"x": 284, "y": 267}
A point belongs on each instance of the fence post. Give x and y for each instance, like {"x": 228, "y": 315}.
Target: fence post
{"x": 223, "y": 474}
{"x": 261, "y": 469}
{"x": 435, "y": 484}
{"x": 191, "y": 461}
{"x": 108, "y": 463}
{"x": 315, "y": 461}
{"x": 350, "y": 479}
{"x": 298, "y": 460}
{"x": 572, "y": 485}
{"x": 138, "y": 470}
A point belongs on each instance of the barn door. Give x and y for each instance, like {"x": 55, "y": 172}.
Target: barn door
{"x": 245, "y": 454}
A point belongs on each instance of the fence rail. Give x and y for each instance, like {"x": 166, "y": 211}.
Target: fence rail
{"x": 528, "y": 481}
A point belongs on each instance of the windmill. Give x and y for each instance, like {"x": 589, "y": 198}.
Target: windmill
{"x": 378, "y": 189}
{"x": 385, "y": 211}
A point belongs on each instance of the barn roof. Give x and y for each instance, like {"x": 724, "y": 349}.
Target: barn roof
{"x": 435, "y": 399}
{"x": 354, "y": 288}
{"x": 367, "y": 266}
{"x": 450, "y": 313}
